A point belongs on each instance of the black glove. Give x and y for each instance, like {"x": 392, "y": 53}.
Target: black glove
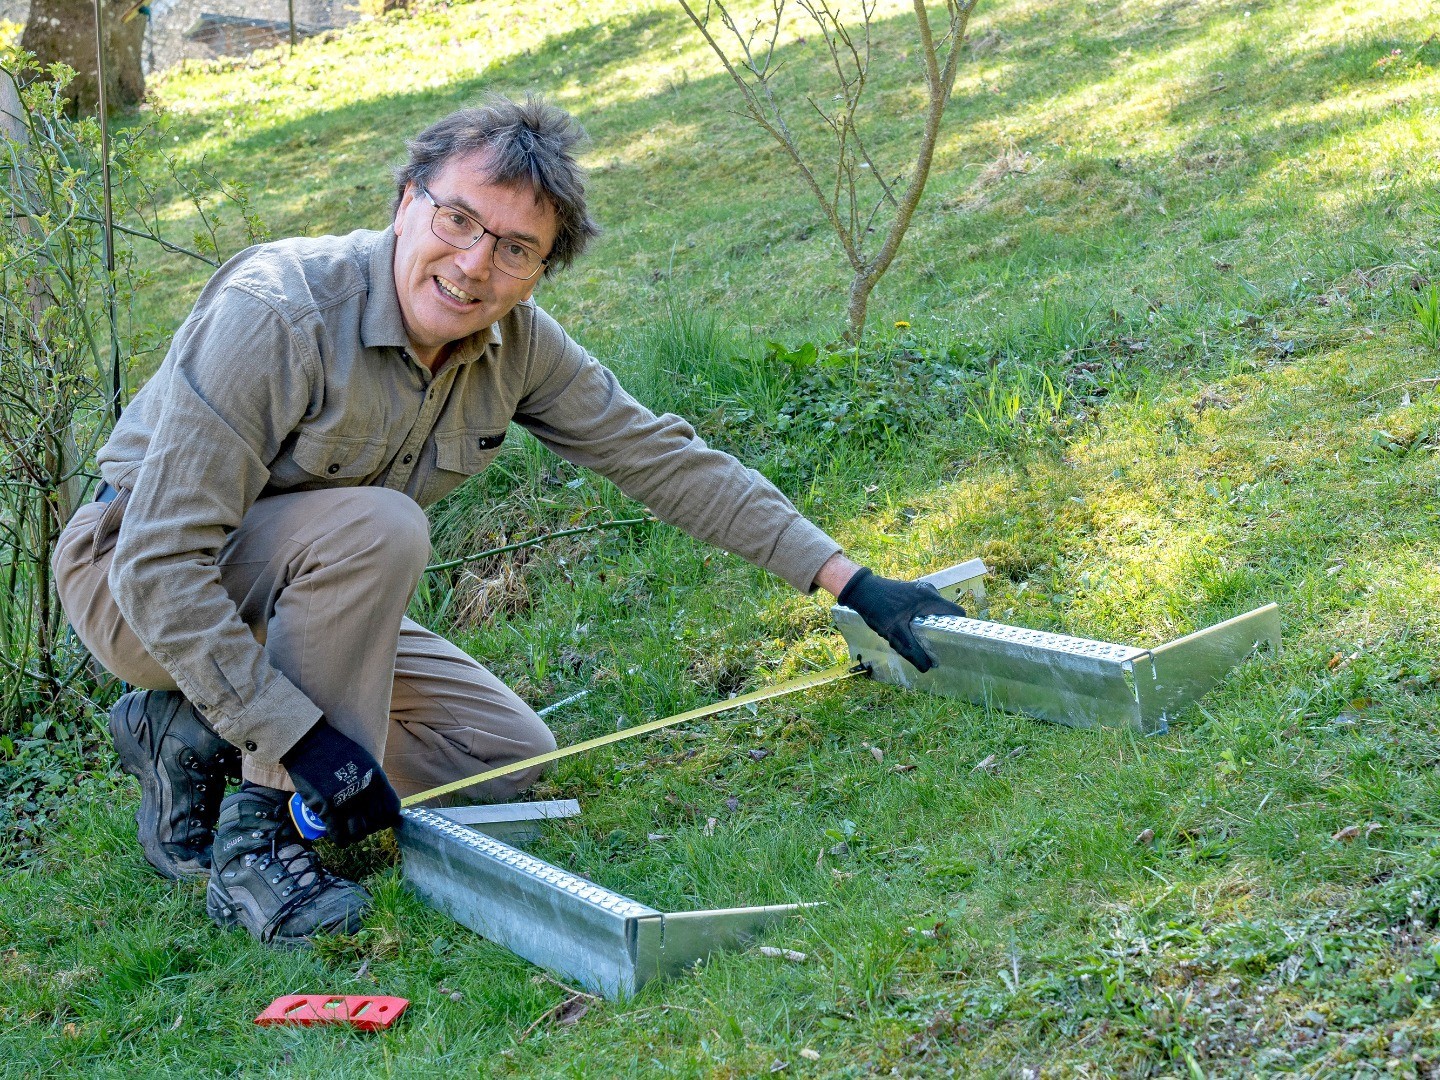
{"x": 339, "y": 780}
{"x": 887, "y": 606}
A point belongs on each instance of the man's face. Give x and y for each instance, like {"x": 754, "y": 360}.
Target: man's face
{"x": 445, "y": 293}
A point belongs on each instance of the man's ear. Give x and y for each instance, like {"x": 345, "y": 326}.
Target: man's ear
{"x": 405, "y": 201}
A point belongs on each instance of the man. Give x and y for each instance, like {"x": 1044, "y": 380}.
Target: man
{"x": 259, "y": 531}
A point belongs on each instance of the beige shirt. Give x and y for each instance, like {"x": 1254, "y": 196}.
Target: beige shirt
{"x": 293, "y": 373}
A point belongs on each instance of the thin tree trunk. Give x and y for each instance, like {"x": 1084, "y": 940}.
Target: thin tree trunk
{"x": 938, "y": 84}
{"x": 861, "y": 286}
{"x": 64, "y": 31}
{"x": 752, "y": 71}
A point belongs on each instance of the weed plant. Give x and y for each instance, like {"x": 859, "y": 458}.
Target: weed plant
{"x": 1427, "y": 316}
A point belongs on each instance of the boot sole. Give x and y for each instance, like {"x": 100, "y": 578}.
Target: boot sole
{"x": 133, "y": 761}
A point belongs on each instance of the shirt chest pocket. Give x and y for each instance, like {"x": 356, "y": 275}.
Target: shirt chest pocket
{"x": 339, "y": 458}
{"x": 466, "y": 452}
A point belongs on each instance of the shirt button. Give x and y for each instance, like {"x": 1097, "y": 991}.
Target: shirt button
{"x": 407, "y": 459}
{"x": 250, "y": 745}
{"x": 333, "y": 469}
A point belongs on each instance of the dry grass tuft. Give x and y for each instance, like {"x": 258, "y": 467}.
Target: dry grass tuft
{"x": 493, "y": 588}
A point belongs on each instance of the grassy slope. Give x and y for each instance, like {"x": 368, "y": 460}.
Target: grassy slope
{"x": 1223, "y": 206}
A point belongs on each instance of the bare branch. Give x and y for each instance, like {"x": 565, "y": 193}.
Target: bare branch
{"x": 939, "y": 81}
{"x": 851, "y": 71}
{"x": 848, "y": 54}
{"x": 772, "y": 122}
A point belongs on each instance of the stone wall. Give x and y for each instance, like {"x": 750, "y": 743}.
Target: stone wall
{"x": 166, "y": 40}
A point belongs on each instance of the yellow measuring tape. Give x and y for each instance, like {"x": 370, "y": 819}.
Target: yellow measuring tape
{"x": 805, "y": 682}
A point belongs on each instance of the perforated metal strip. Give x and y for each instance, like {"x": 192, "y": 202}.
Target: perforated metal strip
{"x": 1040, "y": 639}
{"x": 527, "y": 864}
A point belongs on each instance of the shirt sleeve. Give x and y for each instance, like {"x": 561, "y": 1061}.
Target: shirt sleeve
{"x": 236, "y": 382}
{"x": 576, "y": 407}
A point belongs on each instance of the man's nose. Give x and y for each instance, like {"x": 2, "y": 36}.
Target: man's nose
{"x": 475, "y": 261}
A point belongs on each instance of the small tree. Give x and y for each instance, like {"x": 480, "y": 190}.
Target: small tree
{"x": 851, "y": 189}
{"x": 64, "y": 321}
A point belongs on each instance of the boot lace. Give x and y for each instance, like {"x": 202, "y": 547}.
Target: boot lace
{"x": 292, "y": 864}
{"x": 206, "y": 782}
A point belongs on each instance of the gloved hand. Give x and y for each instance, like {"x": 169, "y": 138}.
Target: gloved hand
{"x": 342, "y": 783}
{"x": 888, "y": 606}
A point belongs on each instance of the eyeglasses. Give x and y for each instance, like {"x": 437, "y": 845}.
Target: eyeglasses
{"x": 460, "y": 230}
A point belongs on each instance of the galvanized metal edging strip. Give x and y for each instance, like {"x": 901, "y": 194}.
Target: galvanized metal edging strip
{"x": 1184, "y": 670}
{"x": 612, "y": 944}
{"x": 1068, "y": 680}
{"x": 584, "y": 932}
{"x": 547, "y": 915}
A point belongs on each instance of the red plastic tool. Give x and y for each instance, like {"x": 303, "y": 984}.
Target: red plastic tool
{"x": 367, "y": 1012}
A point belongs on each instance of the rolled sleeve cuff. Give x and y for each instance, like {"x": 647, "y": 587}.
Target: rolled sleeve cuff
{"x": 803, "y": 548}
{"x": 272, "y": 723}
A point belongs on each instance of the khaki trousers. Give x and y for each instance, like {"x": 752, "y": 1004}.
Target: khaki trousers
{"x": 323, "y": 579}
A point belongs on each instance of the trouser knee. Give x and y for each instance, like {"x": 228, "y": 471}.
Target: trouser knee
{"x": 386, "y": 528}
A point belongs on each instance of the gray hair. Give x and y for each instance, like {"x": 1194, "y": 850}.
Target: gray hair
{"x": 526, "y": 143}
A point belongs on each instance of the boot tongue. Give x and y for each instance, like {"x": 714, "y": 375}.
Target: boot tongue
{"x": 260, "y": 826}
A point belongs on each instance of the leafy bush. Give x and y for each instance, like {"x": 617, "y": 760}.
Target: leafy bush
{"x": 873, "y": 396}
{"x": 967, "y": 395}
{"x": 66, "y": 333}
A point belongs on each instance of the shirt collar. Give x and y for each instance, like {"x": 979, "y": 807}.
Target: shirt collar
{"x": 382, "y": 323}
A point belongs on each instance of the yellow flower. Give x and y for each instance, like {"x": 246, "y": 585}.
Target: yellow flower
{"x": 901, "y": 324}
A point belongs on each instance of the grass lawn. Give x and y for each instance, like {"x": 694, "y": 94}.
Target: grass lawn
{"x": 1158, "y": 349}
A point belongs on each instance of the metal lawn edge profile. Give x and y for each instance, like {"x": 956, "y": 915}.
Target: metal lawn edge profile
{"x": 595, "y": 937}
{"x": 1067, "y": 680}
{"x": 512, "y": 823}
{"x": 610, "y": 944}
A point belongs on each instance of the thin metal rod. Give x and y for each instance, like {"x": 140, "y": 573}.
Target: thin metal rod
{"x": 805, "y": 682}
{"x": 557, "y": 706}
{"x": 292, "y": 25}
{"x": 108, "y": 226}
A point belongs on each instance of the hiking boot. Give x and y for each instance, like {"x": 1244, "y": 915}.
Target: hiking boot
{"x": 267, "y": 879}
{"x": 182, "y": 766}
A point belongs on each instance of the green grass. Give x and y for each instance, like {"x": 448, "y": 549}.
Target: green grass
{"x": 1169, "y": 356}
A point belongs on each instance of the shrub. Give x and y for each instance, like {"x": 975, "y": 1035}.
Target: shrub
{"x": 66, "y": 333}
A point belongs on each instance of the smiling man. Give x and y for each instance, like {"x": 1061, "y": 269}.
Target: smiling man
{"x": 259, "y": 532}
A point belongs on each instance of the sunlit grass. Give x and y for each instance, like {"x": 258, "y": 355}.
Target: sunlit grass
{"x": 1129, "y": 85}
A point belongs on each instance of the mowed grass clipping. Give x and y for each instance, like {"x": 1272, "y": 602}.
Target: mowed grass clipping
{"x": 1163, "y": 362}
